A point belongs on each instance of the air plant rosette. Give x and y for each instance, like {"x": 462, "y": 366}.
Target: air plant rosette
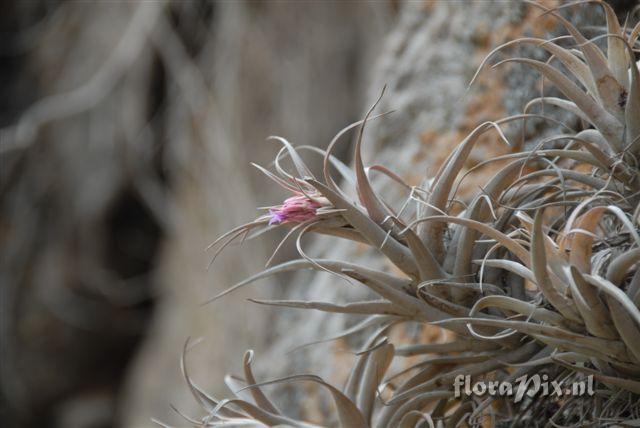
{"x": 538, "y": 272}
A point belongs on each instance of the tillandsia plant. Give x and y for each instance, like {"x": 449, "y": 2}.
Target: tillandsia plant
{"x": 538, "y": 272}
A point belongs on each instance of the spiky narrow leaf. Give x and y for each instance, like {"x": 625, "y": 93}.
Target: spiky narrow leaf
{"x": 604, "y": 121}
{"x": 539, "y": 267}
{"x": 260, "y": 398}
{"x": 375, "y": 367}
{"x": 368, "y": 198}
{"x": 397, "y": 253}
{"x": 381, "y": 307}
{"x": 348, "y": 413}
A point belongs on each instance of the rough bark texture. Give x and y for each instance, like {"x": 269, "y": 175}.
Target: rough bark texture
{"x": 137, "y": 156}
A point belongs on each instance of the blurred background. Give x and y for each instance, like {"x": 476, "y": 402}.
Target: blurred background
{"x": 127, "y": 131}
{"x": 126, "y": 135}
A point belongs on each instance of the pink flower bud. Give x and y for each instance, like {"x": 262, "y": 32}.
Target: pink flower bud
{"x": 294, "y": 210}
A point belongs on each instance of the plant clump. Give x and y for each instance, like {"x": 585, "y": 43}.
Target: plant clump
{"x": 537, "y": 273}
